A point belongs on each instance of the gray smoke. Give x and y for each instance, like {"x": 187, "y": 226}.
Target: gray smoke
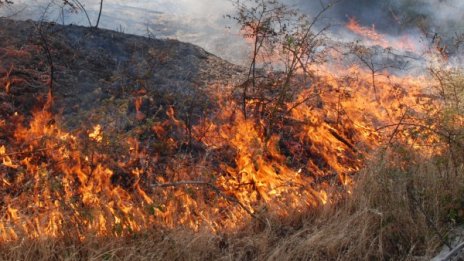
{"x": 202, "y": 22}
{"x": 444, "y": 17}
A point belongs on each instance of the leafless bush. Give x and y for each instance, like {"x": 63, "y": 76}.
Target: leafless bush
{"x": 284, "y": 45}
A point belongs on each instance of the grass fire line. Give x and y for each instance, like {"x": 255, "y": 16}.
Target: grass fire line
{"x": 156, "y": 149}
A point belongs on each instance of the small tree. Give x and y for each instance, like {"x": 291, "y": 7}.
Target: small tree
{"x": 262, "y": 22}
{"x": 284, "y": 45}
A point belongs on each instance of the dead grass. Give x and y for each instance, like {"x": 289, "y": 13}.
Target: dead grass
{"x": 400, "y": 209}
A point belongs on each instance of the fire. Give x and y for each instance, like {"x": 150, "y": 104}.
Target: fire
{"x": 260, "y": 177}
{"x": 372, "y": 37}
{"x": 97, "y": 133}
{"x": 57, "y": 182}
{"x": 369, "y": 33}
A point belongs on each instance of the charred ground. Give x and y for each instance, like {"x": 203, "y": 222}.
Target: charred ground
{"x": 95, "y": 66}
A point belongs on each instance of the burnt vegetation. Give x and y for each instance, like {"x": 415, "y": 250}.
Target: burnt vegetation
{"x": 115, "y": 146}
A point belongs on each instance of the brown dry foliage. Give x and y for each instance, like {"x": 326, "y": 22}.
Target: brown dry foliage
{"x": 393, "y": 213}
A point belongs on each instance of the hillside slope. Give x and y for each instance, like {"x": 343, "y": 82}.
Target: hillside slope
{"x": 93, "y": 68}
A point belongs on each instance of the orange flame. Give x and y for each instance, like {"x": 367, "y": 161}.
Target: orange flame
{"x": 56, "y": 183}
{"x": 370, "y": 34}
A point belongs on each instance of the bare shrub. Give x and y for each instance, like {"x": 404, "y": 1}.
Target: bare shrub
{"x": 284, "y": 45}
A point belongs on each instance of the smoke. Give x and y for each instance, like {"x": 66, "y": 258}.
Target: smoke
{"x": 202, "y": 22}
{"x": 445, "y": 17}
{"x": 439, "y": 16}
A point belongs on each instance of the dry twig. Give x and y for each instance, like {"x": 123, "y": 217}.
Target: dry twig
{"x": 212, "y": 187}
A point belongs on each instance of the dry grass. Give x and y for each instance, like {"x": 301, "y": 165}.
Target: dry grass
{"x": 401, "y": 208}
{"x": 398, "y": 210}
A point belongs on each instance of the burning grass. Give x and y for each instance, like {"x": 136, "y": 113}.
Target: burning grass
{"x": 392, "y": 213}
{"x": 239, "y": 194}
{"x": 349, "y": 171}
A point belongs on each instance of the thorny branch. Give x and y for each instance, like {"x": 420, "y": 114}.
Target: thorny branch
{"x": 448, "y": 136}
{"x": 395, "y": 131}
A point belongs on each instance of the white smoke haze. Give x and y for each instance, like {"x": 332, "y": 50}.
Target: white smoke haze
{"x": 202, "y": 22}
